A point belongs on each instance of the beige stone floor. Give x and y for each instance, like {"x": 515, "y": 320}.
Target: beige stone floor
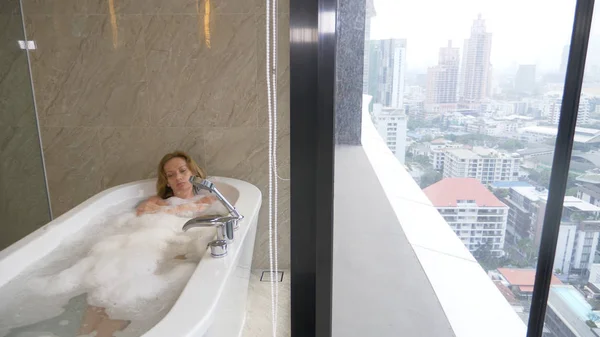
{"x": 258, "y": 307}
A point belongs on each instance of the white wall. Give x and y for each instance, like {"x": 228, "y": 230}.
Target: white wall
{"x": 564, "y": 248}
{"x": 595, "y": 273}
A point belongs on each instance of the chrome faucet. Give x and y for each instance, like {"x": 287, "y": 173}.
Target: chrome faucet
{"x": 225, "y": 225}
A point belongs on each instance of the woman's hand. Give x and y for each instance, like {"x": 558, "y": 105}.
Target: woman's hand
{"x": 147, "y": 207}
{"x": 209, "y": 199}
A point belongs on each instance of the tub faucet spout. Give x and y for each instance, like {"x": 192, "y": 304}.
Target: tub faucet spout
{"x": 225, "y": 225}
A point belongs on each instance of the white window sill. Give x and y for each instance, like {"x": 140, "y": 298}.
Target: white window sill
{"x": 470, "y": 301}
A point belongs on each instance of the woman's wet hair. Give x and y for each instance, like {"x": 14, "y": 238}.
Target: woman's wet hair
{"x": 162, "y": 189}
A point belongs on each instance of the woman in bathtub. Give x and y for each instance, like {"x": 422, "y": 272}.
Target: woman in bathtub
{"x": 175, "y": 193}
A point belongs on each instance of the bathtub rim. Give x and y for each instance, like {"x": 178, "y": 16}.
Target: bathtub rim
{"x": 20, "y": 255}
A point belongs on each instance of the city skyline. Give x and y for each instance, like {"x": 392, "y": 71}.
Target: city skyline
{"x": 512, "y": 29}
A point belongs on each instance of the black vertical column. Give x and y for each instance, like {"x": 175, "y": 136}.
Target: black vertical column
{"x": 312, "y": 75}
{"x": 560, "y": 164}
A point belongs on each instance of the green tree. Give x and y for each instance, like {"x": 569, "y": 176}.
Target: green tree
{"x": 430, "y": 177}
{"x": 572, "y": 191}
{"x": 487, "y": 259}
{"x": 511, "y": 145}
{"x": 501, "y": 193}
{"x": 450, "y": 137}
{"x": 525, "y": 247}
{"x": 421, "y": 159}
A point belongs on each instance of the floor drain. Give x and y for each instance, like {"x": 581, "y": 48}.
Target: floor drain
{"x": 268, "y": 276}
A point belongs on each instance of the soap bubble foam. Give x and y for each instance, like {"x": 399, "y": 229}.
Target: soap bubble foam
{"x": 126, "y": 264}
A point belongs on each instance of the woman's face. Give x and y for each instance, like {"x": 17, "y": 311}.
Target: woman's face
{"x": 178, "y": 177}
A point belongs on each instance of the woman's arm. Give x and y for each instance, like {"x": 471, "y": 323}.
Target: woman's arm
{"x": 152, "y": 205}
{"x": 193, "y": 207}
{"x": 156, "y": 204}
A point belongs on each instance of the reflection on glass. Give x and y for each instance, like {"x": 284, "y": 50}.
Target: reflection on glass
{"x": 573, "y": 303}
{"x": 23, "y": 198}
{"x": 467, "y": 96}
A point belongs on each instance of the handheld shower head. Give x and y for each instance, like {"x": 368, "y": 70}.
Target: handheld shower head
{"x": 203, "y": 184}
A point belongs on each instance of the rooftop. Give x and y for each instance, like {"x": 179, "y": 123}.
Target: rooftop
{"x": 572, "y": 308}
{"x": 439, "y": 141}
{"x": 590, "y": 189}
{"x": 479, "y": 152}
{"x": 582, "y": 135}
{"x": 446, "y": 193}
{"x": 592, "y": 178}
{"x": 530, "y": 192}
{"x": 534, "y": 194}
{"x": 535, "y": 150}
{"x": 464, "y": 153}
{"x": 509, "y": 184}
{"x": 510, "y": 297}
{"x": 523, "y": 278}
{"x": 574, "y": 202}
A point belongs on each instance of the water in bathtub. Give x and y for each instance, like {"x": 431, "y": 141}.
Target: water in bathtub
{"x": 118, "y": 276}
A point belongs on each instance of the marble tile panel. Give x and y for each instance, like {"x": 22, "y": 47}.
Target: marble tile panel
{"x": 190, "y": 84}
{"x": 237, "y": 152}
{"x": 283, "y": 79}
{"x": 74, "y": 165}
{"x": 258, "y": 307}
{"x": 117, "y": 104}
{"x": 260, "y": 259}
{"x": 96, "y": 77}
{"x": 23, "y": 201}
{"x": 134, "y": 153}
{"x": 58, "y": 39}
{"x": 10, "y": 7}
{"x": 16, "y": 99}
{"x": 196, "y": 7}
{"x": 55, "y": 6}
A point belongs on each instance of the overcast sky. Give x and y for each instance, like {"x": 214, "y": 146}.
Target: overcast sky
{"x": 523, "y": 31}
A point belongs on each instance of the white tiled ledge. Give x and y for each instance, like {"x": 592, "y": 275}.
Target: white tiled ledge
{"x": 473, "y": 305}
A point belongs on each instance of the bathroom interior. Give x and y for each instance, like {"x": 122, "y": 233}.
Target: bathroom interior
{"x": 93, "y": 93}
{"x": 267, "y": 97}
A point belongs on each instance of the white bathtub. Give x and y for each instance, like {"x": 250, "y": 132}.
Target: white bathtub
{"x": 213, "y": 303}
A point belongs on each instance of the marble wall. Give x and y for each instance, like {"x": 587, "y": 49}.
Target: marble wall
{"x": 23, "y": 201}
{"x": 120, "y": 83}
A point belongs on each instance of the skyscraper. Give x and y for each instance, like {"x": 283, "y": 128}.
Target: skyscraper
{"x": 391, "y": 123}
{"x": 525, "y": 79}
{"x": 552, "y": 106}
{"x": 387, "y": 70}
{"x": 475, "y": 76}
{"x": 442, "y": 80}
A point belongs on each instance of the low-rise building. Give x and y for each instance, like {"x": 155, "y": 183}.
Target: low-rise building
{"x": 475, "y": 214}
{"x": 519, "y": 281}
{"x": 484, "y": 164}
{"x": 579, "y": 227}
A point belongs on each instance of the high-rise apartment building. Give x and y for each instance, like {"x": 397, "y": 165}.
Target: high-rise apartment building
{"x": 553, "y": 102}
{"x": 387, "y": 71}
{"x": 525, "y": 79}
{"x": 472, "y": 211}
{"x": 475, "y": 76}
{"x": 442, "y": 80}
{"x": 391, "y": 123}
{"x": 579, "y": 226}
{"x": 483, "y": 164}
